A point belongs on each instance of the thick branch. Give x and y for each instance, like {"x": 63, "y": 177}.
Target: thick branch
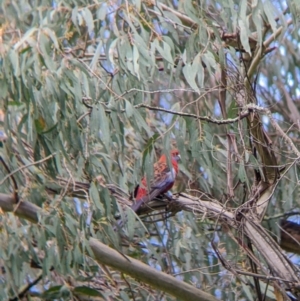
{"x": 204, "y": 205}
{"x": 280, "y": 265}
{"x": 251, "y": 227}
{"x": 23, "y": 209}
{"x": 110, "y": 257}
{"x": 144, "y": 273}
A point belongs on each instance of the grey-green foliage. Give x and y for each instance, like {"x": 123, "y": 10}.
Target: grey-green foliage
{"x": 74, "y": 76}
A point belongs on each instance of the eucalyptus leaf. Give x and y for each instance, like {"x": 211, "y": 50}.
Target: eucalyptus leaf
{"x": 88, "y": 17}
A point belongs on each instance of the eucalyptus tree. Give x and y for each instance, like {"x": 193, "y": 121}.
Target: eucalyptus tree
{"x": 92, "y": 93}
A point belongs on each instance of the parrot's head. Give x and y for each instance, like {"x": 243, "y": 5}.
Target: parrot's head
{"x": 175, "y": 155}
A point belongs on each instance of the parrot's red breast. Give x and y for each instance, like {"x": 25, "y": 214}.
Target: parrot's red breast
{"x": 162, "y": 182}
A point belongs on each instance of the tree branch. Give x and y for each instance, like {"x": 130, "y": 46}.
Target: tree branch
{"x": 204, "y": 205}
{"x": 286, "y": 138}
{"x": 208, "y": 119}
{"x": 25, "y": 289}
{"x": 110, "y": 257}
{"x": 142, "y": 272}
{"x": 23, "y": 209}
{"x": 203, "y": 118}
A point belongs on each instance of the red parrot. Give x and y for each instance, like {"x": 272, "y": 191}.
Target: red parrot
{"x": 161, "y": 183}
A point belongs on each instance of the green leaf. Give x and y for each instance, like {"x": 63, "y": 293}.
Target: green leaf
{"x": 140, "y": 122}
{"x": 94, "y": 194}
{"x": 52, "y": 36}
{"x": 246, "y": 290}
{"x": 45, "y": 51}
{"x": 27, "y": 36}
{"x": 88, "y": 18}
{"x": 60, "y": 238}
{"x": 124, "y": 296}
{"x": 210, "y": 61}
{"x": 137, "y": 4}
{"x": 95, "y": 59}
{"x": 136, "y": 66}
{"x": 148, "y": 57}
{"x": 71, "y": 224}
{"x": 172, "y": 17}
{"x": 242, "y": 173}
{"x": 271, "y": 14}
{"x": 4, "y": 90}
{"x": 151, "y": 142}
{"x": 148, "y": 165}
{"x": 64, "y": 292}
{"x": 191, "y": 70}
{"x": 87, "y": 291}
{"x": 244, "y": 35}
{"x": 168, "y": 41}
{"x": 14, "y": 59}
{"x": 294, "y": 7}
{"x": 177, "y": 248}
{"x": 233, "y": 110}
{"x": 74, "y": 17}
{"x": 164, "y": 50}
{"x": 257, "y": 20}
{"x": 244, "y": 27}
{"x": 210, "y": 177}
{"x": 128, "y": 108}
{"x": 108, "y": 200}
{"x": 53, "y": 292}
{"x": 104, "y": 126}
{"x": 111, "y": 50}
{"x": 102, "y": 11}
{"x": 40, "y": 124}
{"x": 131, "y": 221}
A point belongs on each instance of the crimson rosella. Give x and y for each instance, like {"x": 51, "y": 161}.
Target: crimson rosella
{"x": 162, "y": 182}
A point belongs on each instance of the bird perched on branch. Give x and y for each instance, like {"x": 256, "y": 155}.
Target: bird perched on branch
{"x": 162, "y": 182}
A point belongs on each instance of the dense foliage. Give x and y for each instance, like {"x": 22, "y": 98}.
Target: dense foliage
{"x": 93, "y": 92}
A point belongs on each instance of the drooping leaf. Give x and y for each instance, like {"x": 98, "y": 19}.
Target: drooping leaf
{"x": 87, "y": 291}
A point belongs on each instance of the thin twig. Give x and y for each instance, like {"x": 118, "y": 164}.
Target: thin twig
{"x": 25, "y": 166}
{"x": 285, "y": 137}
{"x": 27, "y": 287}
{"x": 241, "y": 116}
{"x": 204, "y": 118}
{"x": 12, "y": 179}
